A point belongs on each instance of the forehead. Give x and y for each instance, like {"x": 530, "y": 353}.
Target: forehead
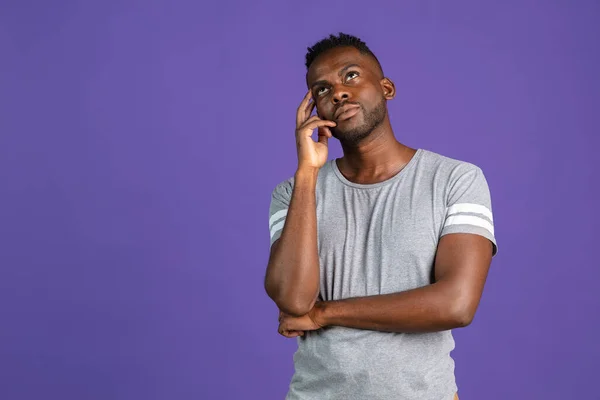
{"x": 332, "y": 61}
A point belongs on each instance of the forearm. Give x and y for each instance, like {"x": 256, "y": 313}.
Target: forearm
{"x": 431, "y": 308}
{"x": 292, "y": 278}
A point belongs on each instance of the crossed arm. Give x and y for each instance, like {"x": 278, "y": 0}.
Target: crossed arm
{"x": 460, "y": 270}
{"x": 292, "y": 280}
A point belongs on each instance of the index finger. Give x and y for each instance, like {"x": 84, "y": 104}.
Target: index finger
{"x": 301, "y": 112}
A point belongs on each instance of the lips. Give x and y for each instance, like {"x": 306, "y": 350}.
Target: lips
{"x": 346, "y": 111}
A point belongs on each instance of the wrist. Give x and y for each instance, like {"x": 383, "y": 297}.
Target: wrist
{"x": 320, "y": 314}
{"x": 306, "y": 173}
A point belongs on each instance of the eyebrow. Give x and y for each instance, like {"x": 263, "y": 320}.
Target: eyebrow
{"x": 347, "y": 67}
{"x": 340, "y": 73}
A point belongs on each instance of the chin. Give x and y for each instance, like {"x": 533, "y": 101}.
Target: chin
{"x": 348, "y": 127}
{"x": 355, "y": 129}
{"x": 351, "y": 136}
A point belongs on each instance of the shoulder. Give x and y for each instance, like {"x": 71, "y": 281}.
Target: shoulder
{"x": 446, "y": 161}
{"x": 447, "y": 167}
{"x": 283, "y": 189}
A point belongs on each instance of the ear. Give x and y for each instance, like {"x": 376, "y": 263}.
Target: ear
{"x": 389, "y": 89}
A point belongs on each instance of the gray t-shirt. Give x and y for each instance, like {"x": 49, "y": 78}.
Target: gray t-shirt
{"x": 377, "y": 239}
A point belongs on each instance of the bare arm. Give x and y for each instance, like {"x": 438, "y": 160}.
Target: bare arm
{"x": 292, "y": 277}
{"x": 461, "y": 267}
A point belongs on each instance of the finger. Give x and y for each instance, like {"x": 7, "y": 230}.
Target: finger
{"x": 311, "y": 119}
{"x": 292, "y": 334}
{"x": 323, "y": 137}
{"x": 302, "y": 127}
{"x": 310, "y": 105}
{"x": 301, "y": 112}
{"x": 286, "y": 332}
{"x": 324, "y": 130}
{"x": 318, "y": 123}
{"x": 309, "y": 108}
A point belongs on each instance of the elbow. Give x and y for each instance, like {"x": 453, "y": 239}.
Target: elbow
{"x": 462, "y": 313}
{"x": 463, "y": 320}
{"x": 294, "y": 309}
{"x": 291, "y": 304}
{"x": 294, "y": 304}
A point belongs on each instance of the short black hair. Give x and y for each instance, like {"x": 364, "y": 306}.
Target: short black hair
{"x": 332, "y": 42}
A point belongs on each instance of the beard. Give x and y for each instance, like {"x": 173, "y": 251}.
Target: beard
{"x": 353, "y": 135}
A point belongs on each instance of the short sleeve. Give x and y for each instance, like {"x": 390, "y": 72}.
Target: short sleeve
{"x": 468, "y": 204}
{"x": 278, "y": 209}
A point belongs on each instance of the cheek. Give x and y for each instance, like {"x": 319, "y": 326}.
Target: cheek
{"x": 372, "y": 98}
{"x": 372, "y": 93}
{"x": 324, "y": 109}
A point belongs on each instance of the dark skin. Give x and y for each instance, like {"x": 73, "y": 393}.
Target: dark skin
{"x": 344, "y": 79}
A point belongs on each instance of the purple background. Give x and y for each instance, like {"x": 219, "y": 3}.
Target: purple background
{"x": 140, "y": 142}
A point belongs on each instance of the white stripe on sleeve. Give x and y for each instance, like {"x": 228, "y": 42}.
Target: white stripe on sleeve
{"x": 471, "y": 208}
{"x": 276, "y": 228}
{"x": 469, "y": 220}
{"x": 277, "y": 216}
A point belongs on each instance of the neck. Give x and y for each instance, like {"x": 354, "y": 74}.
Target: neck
{"x": 377, "y": 158}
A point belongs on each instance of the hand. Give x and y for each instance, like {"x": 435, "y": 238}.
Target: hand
{"x": 311, "y": 154}
{"x": 290, "y": 326}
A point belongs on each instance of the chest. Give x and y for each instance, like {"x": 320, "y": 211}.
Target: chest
{"x": 398, "y": 220}
{"x": 377, "y": 242}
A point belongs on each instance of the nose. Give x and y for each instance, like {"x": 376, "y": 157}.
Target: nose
{"x": 340, "y": 94}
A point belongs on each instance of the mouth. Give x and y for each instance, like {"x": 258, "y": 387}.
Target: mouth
{"x": 346, "y": 112}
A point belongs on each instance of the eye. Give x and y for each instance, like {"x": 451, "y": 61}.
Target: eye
{"x": 321, "y": 91}
{"x": 351, "y": 75}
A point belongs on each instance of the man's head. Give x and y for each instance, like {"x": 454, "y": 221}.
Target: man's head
{"x": 348, "y": 86}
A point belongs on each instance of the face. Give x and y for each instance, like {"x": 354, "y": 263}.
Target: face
{"x": 348, "y": 88}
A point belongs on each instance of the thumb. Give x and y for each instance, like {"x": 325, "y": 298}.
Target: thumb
{"x": 324, "y": 135}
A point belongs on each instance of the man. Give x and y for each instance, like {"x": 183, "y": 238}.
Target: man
{"x": 375, "y": 256}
